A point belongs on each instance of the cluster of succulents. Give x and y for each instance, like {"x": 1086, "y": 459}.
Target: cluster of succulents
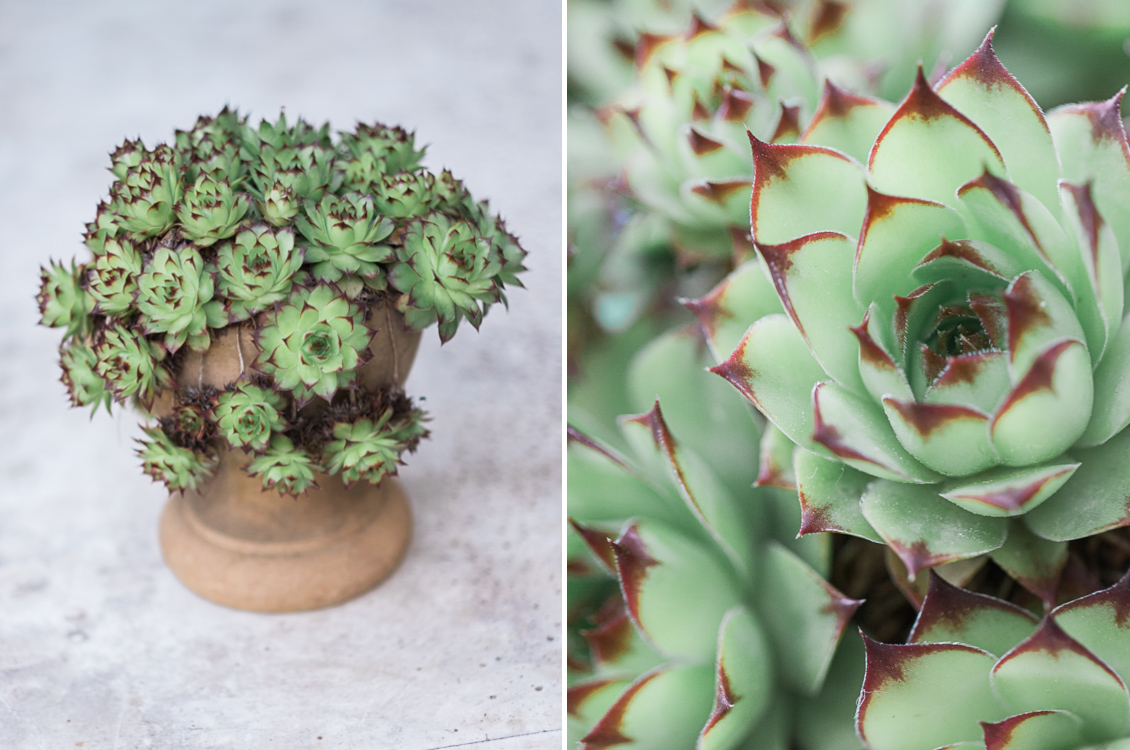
{"x": 296, "y": 237}
{"x": 923, "y": 309}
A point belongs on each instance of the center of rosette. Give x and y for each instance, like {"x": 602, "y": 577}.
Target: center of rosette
{"x": 957, "y": 332}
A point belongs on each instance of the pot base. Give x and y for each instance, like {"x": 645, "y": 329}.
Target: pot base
{"x": 255, "y": 550}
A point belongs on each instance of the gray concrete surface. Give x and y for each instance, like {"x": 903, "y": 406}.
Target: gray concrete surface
{"x": 100, "y": 647}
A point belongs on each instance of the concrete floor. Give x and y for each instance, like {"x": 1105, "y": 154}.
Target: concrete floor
{"x": 100, "y": 646}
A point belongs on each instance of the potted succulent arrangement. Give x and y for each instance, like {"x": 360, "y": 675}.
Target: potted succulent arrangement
{"x": 259, "y": 293}
{"x": 875, "y": 495}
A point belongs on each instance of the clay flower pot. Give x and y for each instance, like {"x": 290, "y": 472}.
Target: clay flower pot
{"x": 242, "y": 546}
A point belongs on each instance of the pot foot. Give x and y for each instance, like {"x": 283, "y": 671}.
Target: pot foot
{"x": 267, "y": 553}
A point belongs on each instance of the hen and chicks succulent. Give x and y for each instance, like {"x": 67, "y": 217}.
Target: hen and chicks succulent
{"x": 297, "y": 237}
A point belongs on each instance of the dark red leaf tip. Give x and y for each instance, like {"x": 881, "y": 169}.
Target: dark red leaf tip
{"x": 724, "y": 698}
{"x": 765, "y": 71}
{"x": 646, "y": 47}
{"x": 950, "y": 606}
{"x": 611, "y": 637}
{"x": 1117, "y": 597}
{"x": 701, "y": 144}
{"x": 1008, "y": 195}
{"x": 738, "y": 373}
{"x": 998, "y": 736}
{"x": 1105, "y": 117}
{"x": 828, "y": 19}
{"x": 735, "y": 105}
{"x": 788, "y": 123}
{"x": 576, "y": 695}
{"x": 598, "y": 542}
{"x": 632, "y": 562}
{"x": 1025, "y": 310}
{"x": 608, "y": 732}
{"x": 709, "y": 309}
{"x": 1089, "y": 217}
{"x": 698, "y": 26}
{"x": 573, "y": 435}
{"x": 869, "y": 350}
{"x": 924, "y": 104}
{"x": 1052, "y": 640}
{"x": 720, "y": 192}
{"x": 928, "y": 418}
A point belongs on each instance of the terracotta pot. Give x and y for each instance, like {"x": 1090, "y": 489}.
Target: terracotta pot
{"x": 238, "y": 545}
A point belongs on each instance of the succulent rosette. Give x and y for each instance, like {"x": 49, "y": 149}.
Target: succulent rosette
{"x": 212, "y": 147}
{"x": 176, "y": 467}
{"x": 446, "y": 272}
{"x": 248, "y": 415}
{"x": 344, "y": 234}
{"x": 256, "y": 269}
{"x": 211, "y": 210}
{"x": 281, "y": 157}
{"x": 375, "y": 150}
{"x": 945, "y": 350}
{"x": 313, "y": 343}
{"x": 285, "y": 468}
{"x": 112, "y": 278}
{"x": 84, "y": 385}
{"x": 696, "y": 618}
{"x": 978, "y": 672}
{"x": 146, "y": 196}
{"x": 174, "y": 297}
{"x": 130, "y": 365}
{"x": 405, "y": 194}
{"x": 371, "y": 449}
{"x": 63, "y": 303}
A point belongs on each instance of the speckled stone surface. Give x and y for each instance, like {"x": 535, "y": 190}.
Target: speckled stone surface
{"x": 100, "y": 647}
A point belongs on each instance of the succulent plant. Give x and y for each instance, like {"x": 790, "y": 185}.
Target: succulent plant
{"x": 285, "y": 468}
{"x": 298, "y": 157}
{"x": 696, "y": 618}
{"x": 112, "y": 280}
{"x": 313, "y": 343}
{"x": 949, "y": 382}
{"x": 211, "y": 210}
{"x": 447, "y": 272}
{"x": 174, "y": 297}
{"x": 344, "y": 233}
{"x": 376, "y": 150}
{"x": 130, "y": 365}
{"x": 144, "y": 199}
{"x": 256, "y": 269}
{"x": 371, "y": 449}
{"x": 979, "y": 672}
{"x": 63, "y": 303}
{"x": 84, "y": 385}
{"x": 176, "y": 467}
{"x": 278, "y": 240}
{"x": 248, "y": 415}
